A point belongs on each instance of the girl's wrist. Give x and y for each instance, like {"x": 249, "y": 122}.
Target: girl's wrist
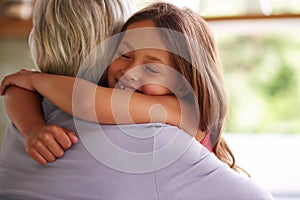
{"x": 32, "y": 130}
{"x": 35, "y": 77}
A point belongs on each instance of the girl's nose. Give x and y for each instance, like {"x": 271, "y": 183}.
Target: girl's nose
{"x": 131, "y": 74}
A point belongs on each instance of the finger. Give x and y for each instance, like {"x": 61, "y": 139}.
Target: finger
{"x": 2, "y": 90}
{"x": 53, "y": 146}
{"x": 72, "y": 135}
{"x": 36, "y": 156}
{"x": 44, "y": 151}
{"x": 4, "y": 85}
{"x": 29, "y": 69}
{"x": 62, "y": 137}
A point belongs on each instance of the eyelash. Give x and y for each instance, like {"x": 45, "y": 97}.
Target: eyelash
{"x": 148, "y": 68}
{"x": 123, "y": 55}
{"x": 151, "y": 70}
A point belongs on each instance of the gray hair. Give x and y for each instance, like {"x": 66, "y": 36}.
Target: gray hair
{"x": 65, "y": 31}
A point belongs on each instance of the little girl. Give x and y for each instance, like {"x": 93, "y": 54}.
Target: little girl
{"x": 168, "y": 57}
{"x": 183, "y": 50}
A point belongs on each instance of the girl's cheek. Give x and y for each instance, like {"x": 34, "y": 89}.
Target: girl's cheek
{"x": 118, "y": 64}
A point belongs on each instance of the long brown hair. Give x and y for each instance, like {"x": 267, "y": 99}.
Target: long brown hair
{"x": 202, "y": 69}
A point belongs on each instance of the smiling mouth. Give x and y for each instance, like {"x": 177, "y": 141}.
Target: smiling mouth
{"x": 121, "y": 86}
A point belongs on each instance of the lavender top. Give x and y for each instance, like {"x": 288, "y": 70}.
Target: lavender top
{"x": 145, "y": 161}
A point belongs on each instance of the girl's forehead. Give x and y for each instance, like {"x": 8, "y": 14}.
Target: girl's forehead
{"x": 143, "y": 34}
{"x": 141, "y": 24}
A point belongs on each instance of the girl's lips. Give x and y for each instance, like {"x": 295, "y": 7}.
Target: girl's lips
{"x": 121, "y": 86}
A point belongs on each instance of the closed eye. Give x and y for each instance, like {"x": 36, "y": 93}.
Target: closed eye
{"x": 120, "y": 54}
{"x": 151, "y": 69}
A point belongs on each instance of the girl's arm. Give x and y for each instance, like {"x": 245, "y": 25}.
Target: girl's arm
{"x": 24, "y": 109}
{"x": 43, "y": 142}
{"x": 90, "y": 102}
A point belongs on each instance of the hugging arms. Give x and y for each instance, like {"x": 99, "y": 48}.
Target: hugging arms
{"x": 201, "y": 109}
{"x": 91, "y": 98}
{"x": 149, "y": 84}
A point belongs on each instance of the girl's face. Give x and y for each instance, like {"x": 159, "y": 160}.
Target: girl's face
{"x": 137, "y": 67}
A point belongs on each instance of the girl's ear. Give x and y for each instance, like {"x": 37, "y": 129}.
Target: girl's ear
{"x": 182, "y": 89}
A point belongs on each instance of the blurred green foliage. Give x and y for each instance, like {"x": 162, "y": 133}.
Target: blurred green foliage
{"x": 262, "y": 75}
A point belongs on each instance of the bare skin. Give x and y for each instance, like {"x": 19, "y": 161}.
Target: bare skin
{"x": 129, "y": 72}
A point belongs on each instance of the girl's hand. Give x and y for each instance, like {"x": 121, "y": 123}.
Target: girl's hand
{"x": 22, "y": 79}
{"x": 49, "y": 142}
